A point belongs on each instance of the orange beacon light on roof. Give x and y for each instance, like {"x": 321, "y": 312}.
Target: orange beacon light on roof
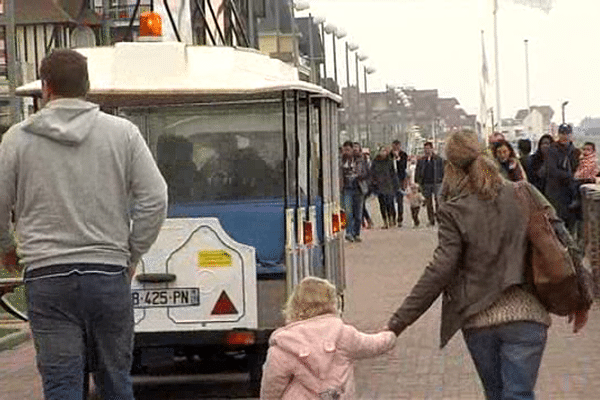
{"x": 150, "y": 24}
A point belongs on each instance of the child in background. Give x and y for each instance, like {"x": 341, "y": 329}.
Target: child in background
{"x": 415, "y": 198}
{"x": 312, "y": 356}
{"x": 588, "y": 165}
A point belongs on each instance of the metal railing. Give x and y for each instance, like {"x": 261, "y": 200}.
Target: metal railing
{"x": 122, "y": 12}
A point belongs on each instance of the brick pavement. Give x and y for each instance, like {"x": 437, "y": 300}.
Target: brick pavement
{"x": 380, "y": 272}
{"x": 18, "y": 375}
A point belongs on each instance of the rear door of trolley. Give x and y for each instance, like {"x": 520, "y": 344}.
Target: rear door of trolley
{"x": 312, "y": 202}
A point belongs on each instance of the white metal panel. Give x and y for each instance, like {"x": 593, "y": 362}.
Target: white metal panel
{"x": 176, "y": 251}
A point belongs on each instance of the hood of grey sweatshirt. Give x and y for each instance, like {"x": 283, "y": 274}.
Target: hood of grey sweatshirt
{"x": 83, "y": 186}
{"x": 66, "y": 121}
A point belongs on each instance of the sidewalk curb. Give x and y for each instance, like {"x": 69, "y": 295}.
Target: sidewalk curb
{"x": 14, "y": 339}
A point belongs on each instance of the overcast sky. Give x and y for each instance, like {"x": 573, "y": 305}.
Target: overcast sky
{"x": 436, "y": 44}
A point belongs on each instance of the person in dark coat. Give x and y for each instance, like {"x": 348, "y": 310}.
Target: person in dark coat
{"x": 401, "y": 163}
{"x": 563, "y": 158}
{"x": 384, "y": 181}
{"x": 429, "y": 175}
{"x": 354, "y": 173}
{"x": 536, "y": 165}
{"x": 524, "y": 146}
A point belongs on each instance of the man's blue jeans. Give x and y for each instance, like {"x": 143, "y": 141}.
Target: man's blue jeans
{"x": 507, "y": 358}
{"x": 80, "y": 323}
{"x": 353, "y": 201}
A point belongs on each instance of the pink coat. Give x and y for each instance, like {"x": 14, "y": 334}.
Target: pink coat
{"x": 309, "y": 357}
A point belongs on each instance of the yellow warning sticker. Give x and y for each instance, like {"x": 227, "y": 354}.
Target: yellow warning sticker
{"x": 214, "y": 258}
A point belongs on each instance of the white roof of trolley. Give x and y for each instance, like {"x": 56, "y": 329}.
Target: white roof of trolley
{"x": 130, "y": 70}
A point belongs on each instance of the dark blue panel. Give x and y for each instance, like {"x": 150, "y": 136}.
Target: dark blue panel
{"x": 257, "y": 223}
{"x": 320, "y": 227}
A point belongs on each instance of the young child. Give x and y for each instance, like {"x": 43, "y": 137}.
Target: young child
{"x": 415, "y": 198}
{"x": 312, "y": 356}
{"x": 588, "y": 165}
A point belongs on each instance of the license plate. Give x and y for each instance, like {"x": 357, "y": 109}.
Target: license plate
{"x": 176, "y": 297}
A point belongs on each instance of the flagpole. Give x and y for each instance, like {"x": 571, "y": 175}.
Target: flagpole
{"x": 527, "y": 75}
{"x": 497, "y": 64}
{"x": 483, "y": 83}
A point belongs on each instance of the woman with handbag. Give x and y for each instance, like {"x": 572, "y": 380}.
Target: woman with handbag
{"x": 479, "y": 267}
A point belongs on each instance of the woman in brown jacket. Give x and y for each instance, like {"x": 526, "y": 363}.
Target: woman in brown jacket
{"x": 479, "y": 267}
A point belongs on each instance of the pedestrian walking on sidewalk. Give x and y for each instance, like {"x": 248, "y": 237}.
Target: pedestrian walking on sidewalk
{"x": 355, "y": 187}
{"x": 400, "y": 164}
{"x": 415, "y": 199}
{"x": 87, "y": 201}
{"x": 537, "y": 166}
{"x": 429, "y": 174}
{"x": 313, "y": 355}
{"x": 385, "y": 184}
{"x": 562, "y": 160}
{"x": 479, "y": 268}
{"x": 510, "y": 166}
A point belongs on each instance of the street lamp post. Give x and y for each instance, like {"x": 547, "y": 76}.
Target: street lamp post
{"x": 367, "y": 71}
{"x": 564, "y": 104}
{"x": 311, "y": 48}
{"x": 330, "y": 29}
{"x": 335, "y": 33}
{"x": 349, "y": 47}
{"x": 297, "y": 5}
{"x": 321, "y": 22}
{"x": 358, "y": 57}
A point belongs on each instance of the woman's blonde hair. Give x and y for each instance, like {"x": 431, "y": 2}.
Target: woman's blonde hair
{"x": 311, "y": 297}
{"x": 469, "y": 168}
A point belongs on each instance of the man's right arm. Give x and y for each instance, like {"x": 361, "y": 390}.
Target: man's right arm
{"x": 149, "y": 192}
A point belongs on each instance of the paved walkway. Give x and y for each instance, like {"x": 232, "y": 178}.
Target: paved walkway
{"x": 381, "y": 272}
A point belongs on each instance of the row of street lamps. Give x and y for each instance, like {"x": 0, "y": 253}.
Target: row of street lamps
{"x": 336, "y": 33}
{"x": 360, "y": 57}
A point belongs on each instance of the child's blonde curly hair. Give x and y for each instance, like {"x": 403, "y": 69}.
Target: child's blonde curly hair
{"x": 311, "y": 297}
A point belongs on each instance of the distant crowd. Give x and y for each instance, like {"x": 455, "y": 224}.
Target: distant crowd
{"x": 557, "y": 168}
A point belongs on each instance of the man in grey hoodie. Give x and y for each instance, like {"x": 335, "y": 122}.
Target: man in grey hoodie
{"x": 81, "y": 199}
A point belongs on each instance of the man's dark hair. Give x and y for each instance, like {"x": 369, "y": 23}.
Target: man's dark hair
{"x": 65, "y": 72}
{"x": 524, "y": 146}
{"x": 592, "y": 144}
{"x": 396, "y": 142}
{"x": 347, "y": 143}
{"x": 428, "y": 144}
{"x": 565, "y": 129}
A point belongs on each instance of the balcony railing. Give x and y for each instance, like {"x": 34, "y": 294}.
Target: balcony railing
{"x": 123, "y": 12}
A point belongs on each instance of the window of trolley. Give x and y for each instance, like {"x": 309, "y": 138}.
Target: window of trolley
{"x": 263, "y": 166}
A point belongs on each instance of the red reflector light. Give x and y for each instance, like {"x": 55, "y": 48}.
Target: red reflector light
{"x": 239, "y": 338}
{"x": 150, "y": 24}
{"x": 344, "y": 220}
{"x": 224, "y": 305}
{"x": 308, "y": 232}
{"x": 336, "y": 223}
